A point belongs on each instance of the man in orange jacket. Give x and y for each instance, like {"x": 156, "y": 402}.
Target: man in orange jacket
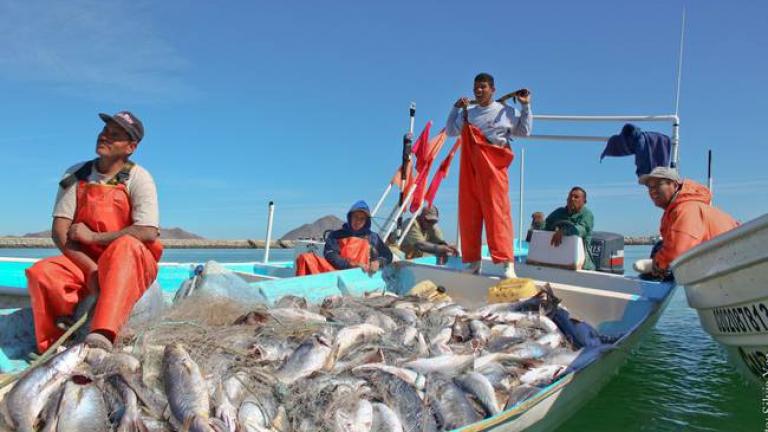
{"x": 688, "y": 218}
{"x": 105, "y": 223}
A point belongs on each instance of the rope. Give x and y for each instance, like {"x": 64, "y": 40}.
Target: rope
{"x": 48, "y": 354}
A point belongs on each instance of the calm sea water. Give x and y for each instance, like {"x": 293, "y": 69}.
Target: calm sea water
{"x": 677, "y": 379}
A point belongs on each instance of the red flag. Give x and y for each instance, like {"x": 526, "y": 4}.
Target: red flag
{"x": 419, "y": 149}
{"x": 424, "y": 164}
{"x": 441, "y": 173}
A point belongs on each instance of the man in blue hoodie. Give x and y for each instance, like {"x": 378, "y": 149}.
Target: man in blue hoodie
{"x": 354, "y": 245}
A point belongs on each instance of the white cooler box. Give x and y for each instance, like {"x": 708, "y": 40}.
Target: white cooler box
{"x": 570, "y": 254}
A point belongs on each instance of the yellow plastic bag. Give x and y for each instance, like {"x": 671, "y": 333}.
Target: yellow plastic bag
{"x": 512, "y": 290}
{"x": 428, "y": 290}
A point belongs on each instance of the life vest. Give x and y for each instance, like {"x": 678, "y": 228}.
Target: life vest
{"x": 104, "y": 207}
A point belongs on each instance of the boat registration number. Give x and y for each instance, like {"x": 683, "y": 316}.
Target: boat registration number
{"x": 756, "y": 361}
{"x": 749, "y": 318}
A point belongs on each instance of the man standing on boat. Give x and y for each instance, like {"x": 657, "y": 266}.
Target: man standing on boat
{"x": 688, "y": 218}
{"x": 487, "y": 129}
{"x": 573, "y": 219}
{"x": 105, "y": 223}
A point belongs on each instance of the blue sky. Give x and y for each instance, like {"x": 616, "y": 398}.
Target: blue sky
{"x": 305, "y": 103}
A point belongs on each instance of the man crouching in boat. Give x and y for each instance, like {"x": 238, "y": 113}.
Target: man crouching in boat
{"x": 354, "y": 245}
{"x": 105, "y": 223}
{"x": 688, "y": 218}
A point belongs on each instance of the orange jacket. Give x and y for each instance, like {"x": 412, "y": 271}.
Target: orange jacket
{"x": 688, "y": 221}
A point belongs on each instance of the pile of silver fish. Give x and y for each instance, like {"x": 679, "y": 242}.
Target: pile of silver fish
{"x": 377, "y": 363}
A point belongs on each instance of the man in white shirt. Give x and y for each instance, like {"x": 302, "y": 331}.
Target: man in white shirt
{"x": 486, "y": 128}
{"x": 105, "y": 223}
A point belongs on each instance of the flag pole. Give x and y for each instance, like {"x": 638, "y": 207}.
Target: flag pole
{"x": 709, "y": 176}
{"x": 522, "y": 185}
{"x": 407, "y": 146}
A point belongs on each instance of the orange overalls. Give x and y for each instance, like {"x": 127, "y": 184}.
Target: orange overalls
{"x": 356, "y": 250}
{"x": 126, "y": 268}
{"x": 484, "y": 196}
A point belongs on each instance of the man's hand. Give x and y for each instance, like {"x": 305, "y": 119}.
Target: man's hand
{"x": 523, "y": 96}
{"x": 557, "y": 238}
{"x": 80, "y": 233}
{"x": 463, "y": 102}
{"x": 373, "y": 267}
{"x": 446, "y": 250}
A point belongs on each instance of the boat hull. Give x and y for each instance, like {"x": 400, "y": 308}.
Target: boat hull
{"x": 726, "y": 281}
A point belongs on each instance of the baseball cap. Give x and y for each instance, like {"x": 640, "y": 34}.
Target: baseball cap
{"x": 127, "y": 121}
{"x": 431, "y": 214}
{"x": 660, "y": 172}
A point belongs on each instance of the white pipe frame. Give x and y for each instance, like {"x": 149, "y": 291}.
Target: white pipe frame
{"x": 269, "y": 231}
{"x": 672, "y": 118}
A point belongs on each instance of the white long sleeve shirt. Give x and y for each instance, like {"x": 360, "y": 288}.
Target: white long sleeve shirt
{"x": 498, "y": 122}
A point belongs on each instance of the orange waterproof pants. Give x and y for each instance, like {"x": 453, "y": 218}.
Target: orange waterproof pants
{"x": 309, "y": 263}
{"x": 353, "y": 249}
{"x": 56, "y": 285}
{"x": 484, "y": 197}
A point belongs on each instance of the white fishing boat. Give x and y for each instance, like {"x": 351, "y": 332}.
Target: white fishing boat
{"x": 726, "y": 281}
{"x": 621, "y": 307}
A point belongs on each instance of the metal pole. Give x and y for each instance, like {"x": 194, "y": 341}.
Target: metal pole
{"x": 269, "y": 231}
{"x": 674, "y": 161}
{"x": 709, "y": 176}
{"x": 522, "y": 186}
{"x": 680, "y": 64}
{"x": 407, "y": 147}
{"x": 381, "y": 200}
{"x": 398, "y": 214}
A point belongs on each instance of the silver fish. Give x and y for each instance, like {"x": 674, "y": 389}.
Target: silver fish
{"x": 384, "y": 419}
{"x": 257, "y": 413}
{"x": 477, "y": 385}
{"x": 479, "y": 330}
{"x": 446, "y": 364}
{"x": 186, "y": 389}
{"x": 407, "y": 316}
{"x": 350, "y": 336}
{"x": 358, "y": 419}
{"x": 82, "y": 407}
{"x": 296, "y": 315}
{"x": 403, "y": 399}
{"x": 542, "y": 375}
{"x": 308, "y": 358}
{"x": 450, "y": 404}
{"x": 131, "y": 419}
{"x": 411, "y": 377}
{"x": 519, "y": 394}
{"x": 27, "y": 398}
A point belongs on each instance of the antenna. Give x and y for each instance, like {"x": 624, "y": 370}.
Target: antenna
{"x": 680, "y": 64}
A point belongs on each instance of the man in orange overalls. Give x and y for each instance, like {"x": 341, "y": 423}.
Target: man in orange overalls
{"x": 105, "y": 222}
{"x": 486, "y": 130}
{"x": 354, "y": 245}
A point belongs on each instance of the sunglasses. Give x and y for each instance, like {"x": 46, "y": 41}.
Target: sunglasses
{"x": 113, "y": 136}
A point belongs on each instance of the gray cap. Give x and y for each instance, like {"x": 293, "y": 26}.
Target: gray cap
{"x": 430, "y": 213}
{"x": 127, "y": 121}
{"x": 661, "y": 172}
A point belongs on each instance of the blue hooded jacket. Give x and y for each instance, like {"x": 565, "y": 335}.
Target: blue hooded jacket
{"x": 379, "y": 250}
{"x": 651, "y": 149}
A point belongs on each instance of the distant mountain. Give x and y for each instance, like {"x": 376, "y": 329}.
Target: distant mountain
{"x": 315, "y": 230}
{"x": 165, "y": 233}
